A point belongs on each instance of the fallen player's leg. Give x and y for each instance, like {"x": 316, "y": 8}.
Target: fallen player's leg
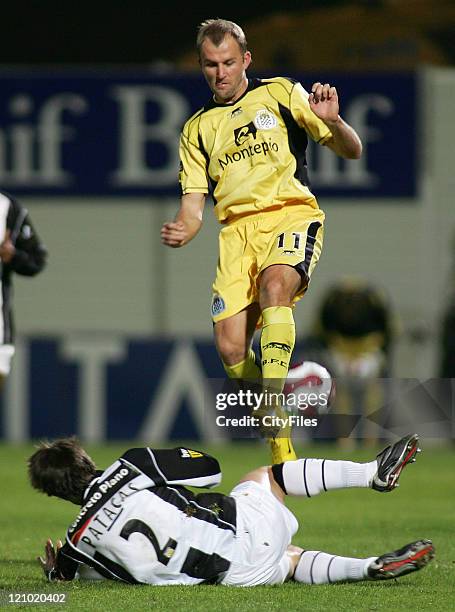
{"x": 317, "y": 567}
{"x": 392, "y": 460}
{"x": 309, "y": 477}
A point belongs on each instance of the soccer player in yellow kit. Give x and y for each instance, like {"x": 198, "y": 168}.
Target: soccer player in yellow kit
{"x": 247, "y": 147}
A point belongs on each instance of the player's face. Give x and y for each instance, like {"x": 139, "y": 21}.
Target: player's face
{"x": 224, "y": 69}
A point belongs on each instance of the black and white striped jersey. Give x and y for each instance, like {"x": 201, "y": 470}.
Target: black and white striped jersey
{"x": 139, "y": 524}
{"x": 29, "y": 257}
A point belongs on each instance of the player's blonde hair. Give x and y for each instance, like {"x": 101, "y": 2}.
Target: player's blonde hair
{"x": 217, "y": 29}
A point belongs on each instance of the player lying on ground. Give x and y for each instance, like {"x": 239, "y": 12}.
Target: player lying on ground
{"x": 139, "y": 524}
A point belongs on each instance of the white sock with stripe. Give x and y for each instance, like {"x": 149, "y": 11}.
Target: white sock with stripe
{"x": 316, "y": 567}
{"x": 308, "y": 477}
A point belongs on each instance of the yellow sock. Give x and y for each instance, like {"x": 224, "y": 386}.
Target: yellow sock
{"x": 247, "y": 369}
{"x": 277, "y": 344}
{"x": 282, "y": 449}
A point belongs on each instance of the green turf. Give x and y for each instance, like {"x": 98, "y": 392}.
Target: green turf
{"x": 355, "y": 523}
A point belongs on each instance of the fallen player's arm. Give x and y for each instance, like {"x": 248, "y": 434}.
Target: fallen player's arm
{"x": 55, "y": 564}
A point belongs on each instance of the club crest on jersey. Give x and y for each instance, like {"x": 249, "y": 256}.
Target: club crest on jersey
{"x": 218, "y": 305}
{"x": 265, "y": 120}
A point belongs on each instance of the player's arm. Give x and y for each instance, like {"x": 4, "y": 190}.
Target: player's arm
{"x": 21, "y": 249}
{"x": 178, "y": 466}
{"x": 324, "y": 103}
{"x": 56, "y": 564}
{"x": 187, "y": 222}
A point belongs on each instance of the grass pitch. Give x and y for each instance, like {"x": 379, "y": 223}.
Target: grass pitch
{"x": 354, "y": 522}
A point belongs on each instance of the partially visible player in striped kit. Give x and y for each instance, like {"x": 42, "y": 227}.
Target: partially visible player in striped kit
{"x": 247, "y": 147}
{"x": 22, "y": 252}
{"x": 140, "y": 524}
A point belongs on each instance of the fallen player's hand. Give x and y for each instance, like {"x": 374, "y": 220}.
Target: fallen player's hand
{"x": 48, "y": 563}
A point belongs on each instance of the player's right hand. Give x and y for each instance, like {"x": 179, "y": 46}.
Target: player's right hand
{"x": 174, "y": 234}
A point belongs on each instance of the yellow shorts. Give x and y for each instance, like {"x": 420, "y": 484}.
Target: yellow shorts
{"x": 292, "y": 235}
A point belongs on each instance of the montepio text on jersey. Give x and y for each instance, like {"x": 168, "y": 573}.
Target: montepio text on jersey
{"x": 262, "y": 148}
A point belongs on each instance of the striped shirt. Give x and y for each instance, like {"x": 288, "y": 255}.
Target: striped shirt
{"x": 139, "y": 524}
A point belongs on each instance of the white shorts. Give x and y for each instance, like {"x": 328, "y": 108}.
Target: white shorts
{"x": 264, "y": 531}
{"x": 6, "y": 356}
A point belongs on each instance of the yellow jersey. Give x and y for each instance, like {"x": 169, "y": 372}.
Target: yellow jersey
{"x": 251, "y": 155}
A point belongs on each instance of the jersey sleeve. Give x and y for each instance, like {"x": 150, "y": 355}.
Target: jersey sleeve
{"x": 30, "y": 254}
{"x": 178, "y": 466}
{"x": 193, "y": 176}
{"x": 66, "y": 565}
{"x": 304, "y": 116}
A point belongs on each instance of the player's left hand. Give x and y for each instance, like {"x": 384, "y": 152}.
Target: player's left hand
{"x": 48, "y": 563}
{"x": 324, "y": 102}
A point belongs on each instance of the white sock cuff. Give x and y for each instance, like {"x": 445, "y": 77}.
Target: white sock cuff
{"x": 355, "y": 474}
{"x": 368, "y": 562}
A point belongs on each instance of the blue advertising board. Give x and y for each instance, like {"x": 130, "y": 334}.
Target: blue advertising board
{"x": 115, "y": 133}
{"x": 111, "y": 387}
